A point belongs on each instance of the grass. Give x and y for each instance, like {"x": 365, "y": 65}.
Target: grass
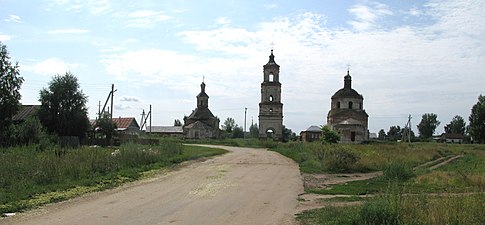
{"x": 451, "y": 194}
{"x": 30, "y": 177}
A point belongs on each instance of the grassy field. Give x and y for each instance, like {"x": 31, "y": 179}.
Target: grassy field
{"x": 30, "y": 177}
{"x": 451, "y": 194}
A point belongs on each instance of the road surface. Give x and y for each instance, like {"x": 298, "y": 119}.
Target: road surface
{"x": 245, "y": 186}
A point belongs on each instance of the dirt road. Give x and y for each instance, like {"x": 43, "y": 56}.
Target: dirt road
{"x": 245, "y": 186}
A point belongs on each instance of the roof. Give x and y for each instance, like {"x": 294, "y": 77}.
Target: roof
{"x": 25, "y": 111}
{"x": 452, "y": 136}
{"x": 314, "y": 129}
{"x": 165, "y": 129}
{"x": 201, "y": 113}
{"x": 198, "y": 124}
{"x": 347, "y": 92}
{"x": 125, "y": 122}
{"x": 271, "y": 61}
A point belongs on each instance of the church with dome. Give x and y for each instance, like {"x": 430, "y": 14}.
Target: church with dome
{"x": 347, "y": 115}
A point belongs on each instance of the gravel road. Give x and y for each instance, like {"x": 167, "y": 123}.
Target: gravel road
{"x": 245, "y": 186}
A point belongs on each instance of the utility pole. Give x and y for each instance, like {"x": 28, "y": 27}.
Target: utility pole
{"x": 99, "y": 110}
{"x": 142, "y": 117}
{"x": 406, "y": 136}
{"x": 245, "y": 113}
{"x": 150, "y": 113}
{"x": 112, "y": 96}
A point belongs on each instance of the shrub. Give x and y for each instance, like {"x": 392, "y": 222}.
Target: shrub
{"x": 398, "y": 171}
{"x": 340, "y": 159}
{"x": 378, "y": 212}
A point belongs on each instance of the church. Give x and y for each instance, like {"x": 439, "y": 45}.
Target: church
{"x": 347, "y": 115}
{"x": 201, "y": 123}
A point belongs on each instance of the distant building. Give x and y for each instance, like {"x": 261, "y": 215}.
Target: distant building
{"x": 201, "y": 123}
{"x": 270, "y": 107}
{"x": 347, "y": 115}
{"x": 126, "y": 125}
{"x": 166, "y": 131}
{"x": 313, "y": 133}
{"x": 25, "y": 112}
{"x": 452, "y": 138}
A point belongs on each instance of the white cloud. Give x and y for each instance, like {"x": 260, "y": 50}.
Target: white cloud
{"x": 5, "y": 37}
{"x": 13, "y": 19}
{"x": 399, "y": 70}
{"x": 94, "y": 7}
{"x": 366, "y": 16}
{"x": 50, "y": 66}
{"x": 143, "y": 18}
{"x": 223, "y": 21}
{"x": 129, "y": 99}
{"x": 69, "y": 31}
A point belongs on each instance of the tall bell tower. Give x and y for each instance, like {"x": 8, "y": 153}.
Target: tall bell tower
{"x": 270, "y": 107}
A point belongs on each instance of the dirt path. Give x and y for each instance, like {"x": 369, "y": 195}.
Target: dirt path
{"x": 245, "y": 186}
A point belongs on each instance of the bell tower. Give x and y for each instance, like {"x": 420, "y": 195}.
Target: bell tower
{"x": 270, "y": 107}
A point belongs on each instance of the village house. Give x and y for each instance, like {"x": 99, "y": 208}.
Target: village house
{"x": 313, "y": 133}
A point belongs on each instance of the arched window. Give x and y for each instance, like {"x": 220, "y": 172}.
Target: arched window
{"x": 350, "y": 105}
{"x": 270, "y": 109}
{"x": 360, "y": 105}
{"x": 338, "y": 105}
{"x": 271, "y": 77}
{"x": 271, "y": 98}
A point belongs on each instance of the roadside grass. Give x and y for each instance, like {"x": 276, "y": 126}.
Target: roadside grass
{"x": 397, "y": 207}
{"x": 31, "y": 178}
{"x": 314, "y": 157}
{"x": 451, "y": 194}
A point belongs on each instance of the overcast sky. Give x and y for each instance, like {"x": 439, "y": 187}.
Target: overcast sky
{"x": 405, "y": 57}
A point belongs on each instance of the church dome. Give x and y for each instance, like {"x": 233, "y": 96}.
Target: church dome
{"x": 347, "y": 91}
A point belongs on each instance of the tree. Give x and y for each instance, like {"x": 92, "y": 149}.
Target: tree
{"x": 394, "y": 133}
{"x": 456, "y": 126}
{"x": 477, "y": 121}
{"x": 428, "y": 125}
{"x": 229, "y": 124}
{"x": 177, "y": 123}
{"x": 288, "y": 135}
{"x": 254, "y": 131}
{"x": 63, "y": 107}
{"x": 107, "y": 127}
{"x": 329, "y": 135}
{"x": 382, "y": 134}
{"x": 237, "y": 132}
{"x": 10, "y": 83}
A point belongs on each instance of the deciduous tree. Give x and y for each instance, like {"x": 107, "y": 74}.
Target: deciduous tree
{"x": 456, "y": 126}
{"x": 229, "y": 124}
{"x": 10, "y": 83}
{"x": 477, "y": 121}
{"x": 254, "y": 130}
{"x": 63, "y": 107}
{"x": 427, "y": 126}
{"x": 329, "y": 135}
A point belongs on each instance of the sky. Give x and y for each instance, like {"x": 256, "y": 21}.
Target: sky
{"x": 405, "y": 57}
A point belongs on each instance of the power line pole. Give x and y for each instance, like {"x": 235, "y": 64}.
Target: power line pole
{"x": 150, "y": 113}
{"x": 142, "y": 117}
{"x": 245, "y": 113}
{"x": 112, "y": 96}
{"x": 406, "y": 136}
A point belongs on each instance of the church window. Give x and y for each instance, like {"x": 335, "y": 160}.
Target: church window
{"x": 350, "y": 105}
{"x": 338, "y": 105}
{"x": 271, "y": 98}
{"x": 352, "y": 136}
{"x": 270, "y": 109}
{"x": 271, "y": 77}
{"x": 360, "y": 105}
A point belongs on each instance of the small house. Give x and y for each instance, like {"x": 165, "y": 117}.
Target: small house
{"x": 313, "y": 133}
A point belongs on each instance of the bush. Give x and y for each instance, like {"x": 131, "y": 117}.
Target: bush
{"x": 340, "y": 160}
{"x": 398, "y": 171}
{"x": 378, "y": 212}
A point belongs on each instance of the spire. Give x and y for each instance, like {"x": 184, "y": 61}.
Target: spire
{"x": 271, "y": 58}
{"x": 348, "y": 80}
{"x": 202, "y": 87}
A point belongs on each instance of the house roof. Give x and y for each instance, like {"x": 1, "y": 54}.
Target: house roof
{"x": 314, "y": 129}
{"x": 25, "y": 111}
{"x": 125, "y": 122}
{"x": 165, "y": 129}
{"x": 452, "y": 136}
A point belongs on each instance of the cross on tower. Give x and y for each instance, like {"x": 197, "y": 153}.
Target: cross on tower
{"x": 272, "y": 45}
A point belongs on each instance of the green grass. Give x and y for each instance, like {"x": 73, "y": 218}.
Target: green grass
{"x": 30, "y": 177}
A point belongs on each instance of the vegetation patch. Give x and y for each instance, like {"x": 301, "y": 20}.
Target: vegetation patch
{"x": 31, "y": 177}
